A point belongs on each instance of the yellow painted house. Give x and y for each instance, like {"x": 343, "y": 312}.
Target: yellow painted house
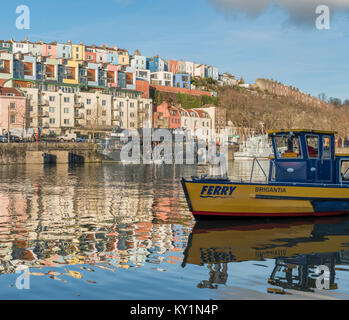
{"x": 78, "y": 52}
{"x": 71, "y": 72}
{"x": 124, "y": 58}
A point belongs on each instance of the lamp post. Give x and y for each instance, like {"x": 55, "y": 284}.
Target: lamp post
{"x": 8, "y": 124}
{"x": 60, "y": 111}
{"x": 127, "y": 113}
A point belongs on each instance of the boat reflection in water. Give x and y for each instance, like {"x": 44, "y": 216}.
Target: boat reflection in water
{"x": 298, "y": 247}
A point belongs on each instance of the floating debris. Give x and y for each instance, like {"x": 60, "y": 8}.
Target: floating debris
{"x": 88, "y": 269}
{"x": 90, "y": 281}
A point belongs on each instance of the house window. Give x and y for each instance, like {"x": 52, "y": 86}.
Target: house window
{"x": 52, "y": 120}
{"x": 132, "y": 105}
{"x": 12, "y": 105}
{"x": 121, "y": 104}
{"x": 104, "y": 122}
{"x": 104, "y": 102}
{"x": 12, "y": 118}
{"x": 66, "y": 121}
{"x": 88, "y": 101}
{"x": 104, "y": 113}
{"x": 52, "y": 98}
{"x": 66, "y": 110}
{"x": 77, "y": 56}
{"x": 66, "y": 99}
{"x": 88, "y": 112}
{"x": 52, "y": 109}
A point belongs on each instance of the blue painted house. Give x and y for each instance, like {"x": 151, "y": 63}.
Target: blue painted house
{"x": 153, "y": 64}
{"x": 181, "y": 80}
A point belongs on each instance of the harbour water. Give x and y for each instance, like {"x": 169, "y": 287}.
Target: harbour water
{"x": 124, "y": 232}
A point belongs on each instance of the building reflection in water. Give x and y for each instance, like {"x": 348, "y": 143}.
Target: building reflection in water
{"x": 298, "y": 248}
{"x": 102, "y": 216}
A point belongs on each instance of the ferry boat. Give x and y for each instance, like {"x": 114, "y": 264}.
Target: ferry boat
{"x": 306, "y": 178}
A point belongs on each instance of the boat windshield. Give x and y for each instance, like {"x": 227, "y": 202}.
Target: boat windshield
{"x": 288, "y": 146}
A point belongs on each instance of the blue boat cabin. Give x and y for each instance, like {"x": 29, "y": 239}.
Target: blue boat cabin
{"x": 307, "y": 156}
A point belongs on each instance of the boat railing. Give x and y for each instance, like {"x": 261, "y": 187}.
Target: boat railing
{"x": 260, "y": 166}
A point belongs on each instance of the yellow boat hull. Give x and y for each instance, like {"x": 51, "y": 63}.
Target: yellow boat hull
{"x": 228, "y": 199}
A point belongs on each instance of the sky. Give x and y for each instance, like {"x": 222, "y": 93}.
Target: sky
{"x": 248, "y": 38}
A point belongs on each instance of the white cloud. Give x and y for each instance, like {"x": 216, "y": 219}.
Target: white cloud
{"x": 299, "y": 11}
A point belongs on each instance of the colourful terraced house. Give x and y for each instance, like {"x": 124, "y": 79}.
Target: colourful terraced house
{"x": 101, "y": 54}
{"x": 71, "y": 72}
{"x": 92, "y": 74}
{"x": 112, "y": 75}
{"x": 50, "y": 50}
{"x": 6, "y": 66}
{"x": 64, "y": 50}
{"x": 90, "y": 54}
{"x": 113, "y": 56}
{"x": 78, "y": 52}
{"x": 6, "y": 46}
{"x": 123, "y": 56}
{"x": 51, "y": 70}
{"x": 35, "y": 48}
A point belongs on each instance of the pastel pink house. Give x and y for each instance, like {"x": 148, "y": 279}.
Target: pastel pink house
{"x": 112, "y": 76}
{"x": 49, "y": 50}
{"x": 13, "y": 110}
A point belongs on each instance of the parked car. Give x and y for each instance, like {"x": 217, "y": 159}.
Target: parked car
{"x": 68, "y": 137}
{"x": 3, "y": 138}
{"x": 15, "y": 139}
{"x": 82, "y": 139}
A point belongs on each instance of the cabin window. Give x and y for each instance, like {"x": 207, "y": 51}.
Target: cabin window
{"x": 326, "y": 147}
{"x": 313, "y": 146}
{"x": 288, "y": 146}
{"x": 344, "y": 170}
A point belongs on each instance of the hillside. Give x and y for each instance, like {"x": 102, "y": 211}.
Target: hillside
{"x": 248, "y": 108}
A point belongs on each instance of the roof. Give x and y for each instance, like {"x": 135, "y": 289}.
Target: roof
{"x": 202, "y": 113}
{"x": 301, "y": 130}
{"x": 10, "y": 91}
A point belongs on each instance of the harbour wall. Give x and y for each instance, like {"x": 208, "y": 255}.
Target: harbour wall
{"x": 41, "y": 153}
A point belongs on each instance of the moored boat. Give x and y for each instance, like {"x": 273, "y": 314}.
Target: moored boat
{"x": 306, "y": 178}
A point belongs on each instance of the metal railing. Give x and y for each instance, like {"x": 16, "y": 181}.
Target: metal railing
{"x": 253, "y": 163}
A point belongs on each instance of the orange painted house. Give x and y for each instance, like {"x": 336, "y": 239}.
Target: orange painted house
{"x": 170, "y": 114}
{"x": 173, "y": 66}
